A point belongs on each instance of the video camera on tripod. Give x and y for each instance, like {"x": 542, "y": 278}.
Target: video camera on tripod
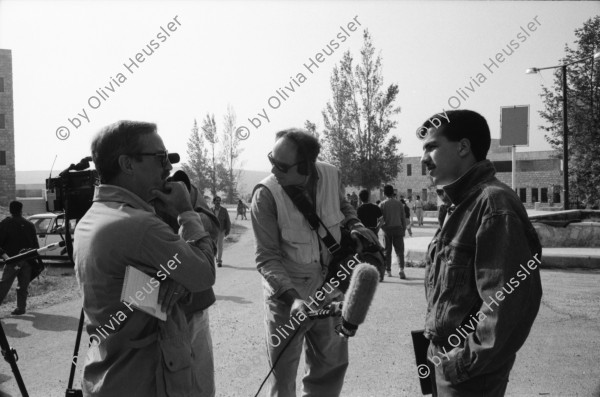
{"x": 71, "y": 192}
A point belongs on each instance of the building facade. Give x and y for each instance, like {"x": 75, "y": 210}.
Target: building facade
{"x": 538, "y": 176}
{"x": 7, "y": 132}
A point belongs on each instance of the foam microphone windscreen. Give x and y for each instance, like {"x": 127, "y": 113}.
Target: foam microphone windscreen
{"x": 361, "y": 291}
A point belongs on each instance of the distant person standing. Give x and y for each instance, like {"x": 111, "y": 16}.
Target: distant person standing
{"x": 394, "y": 226}
{"x": 16, "y": 233}
{"x": 223, "y": 217}
{"x": 354, "y": 200}
{"x": 418, "y": 207}
{"x": 241, "y": 210}
{"x": 369, "y": 214}
{"x": 407, "y": 216}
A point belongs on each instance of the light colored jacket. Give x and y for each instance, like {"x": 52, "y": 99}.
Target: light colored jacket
{"x": 139, "y": 355}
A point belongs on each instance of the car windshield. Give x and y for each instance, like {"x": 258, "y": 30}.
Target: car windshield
{"x": 41, "y": 224}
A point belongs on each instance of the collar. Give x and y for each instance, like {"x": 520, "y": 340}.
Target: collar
{"x": 480, "y": 172}
{"x": 118, "y": 194}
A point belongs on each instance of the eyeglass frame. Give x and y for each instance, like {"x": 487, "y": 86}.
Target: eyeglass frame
{"x": 277, "y": 165}
{"x": 163, "y": 161}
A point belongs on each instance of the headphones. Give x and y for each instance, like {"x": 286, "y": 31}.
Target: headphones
{"x": 303, "y": 166}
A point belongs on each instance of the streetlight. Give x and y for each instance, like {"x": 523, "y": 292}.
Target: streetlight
{"x": 565, "y": 126}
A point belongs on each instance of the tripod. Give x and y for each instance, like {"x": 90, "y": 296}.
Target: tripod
{"x": 11, "y": 356}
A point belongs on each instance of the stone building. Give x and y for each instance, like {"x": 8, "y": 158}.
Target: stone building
{"x": 7, "y": 132}
{"x": 539, "y": 176}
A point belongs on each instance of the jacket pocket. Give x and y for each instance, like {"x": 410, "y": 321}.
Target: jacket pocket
{"x": 176, "y": 364}
{"x": 457, "y": 290}
{"x": 458, "y": 263}
{"x": 297, "y": 245}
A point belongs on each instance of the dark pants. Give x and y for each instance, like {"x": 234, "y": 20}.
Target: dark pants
{"x": 492, "y": 384}
{"x": 394, "y": 238}
{"x": 22, "y": 271}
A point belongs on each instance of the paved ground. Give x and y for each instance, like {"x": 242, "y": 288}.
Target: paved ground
{"x": 560, "y": 357}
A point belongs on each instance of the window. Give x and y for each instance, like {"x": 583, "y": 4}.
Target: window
{"x": 1, "y": 84}
{"x": 424, "y": 195}
{"x": 2, "y": 157}
{"x": 423, "y": 169}
{"x": 556, "y": 194}
{"x": 2, "y": 121}
{"x": 408, "y": 169}
{"x": 408, "y": 193}
{"x": 523, "y": 194}
{"x": 503, "y": 166}
{"x": 534, "y": 195}
{"x": 544, "y": 193}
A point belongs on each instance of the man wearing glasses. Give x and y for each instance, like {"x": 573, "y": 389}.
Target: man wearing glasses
{"x": 138, "y": 355}
{"x": 292, "y": 261}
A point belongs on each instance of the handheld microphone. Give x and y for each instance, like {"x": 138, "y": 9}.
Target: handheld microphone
{"x": 361, "y": 291}
{"x": 33, "y": 253}
{"x": 334, "y": 309}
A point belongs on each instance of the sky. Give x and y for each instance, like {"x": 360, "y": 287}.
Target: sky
{"x": 240, "y": 53}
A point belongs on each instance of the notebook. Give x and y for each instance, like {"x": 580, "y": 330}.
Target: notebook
{"x": 135, "y": 287}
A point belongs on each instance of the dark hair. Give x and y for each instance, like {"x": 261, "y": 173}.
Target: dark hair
{"x": 215, "y": 198}
{"x": 418, "y": 197}
{"x": 117, "y": 139}
{"x": 388, "y": 190}
{"x": 15, "y": 207}
{"x": 459, "y": 124}
{"x": 308, "y": 146}
{"x": 364, "y": 195}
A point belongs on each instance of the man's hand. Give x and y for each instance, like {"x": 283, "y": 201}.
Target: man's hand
{"x": 176, "y": 200}
{"x": 299, "y": 306}
{"x": 170, "y": 292}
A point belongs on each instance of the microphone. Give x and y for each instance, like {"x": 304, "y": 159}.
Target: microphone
{"x": 334, "y": 309}
{"x": 361, "y": 291}
{"x": 33, "y": 253}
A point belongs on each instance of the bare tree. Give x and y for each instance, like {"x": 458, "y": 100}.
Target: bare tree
{"x": 231, "y": 151}
{"x": 209, "y": 127}
{"x": 197, "y": 165}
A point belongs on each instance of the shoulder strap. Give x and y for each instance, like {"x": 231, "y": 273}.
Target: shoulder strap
{"x": 305, "y": 208}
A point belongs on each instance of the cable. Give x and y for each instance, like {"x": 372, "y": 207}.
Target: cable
{"x": 276, "y": 361}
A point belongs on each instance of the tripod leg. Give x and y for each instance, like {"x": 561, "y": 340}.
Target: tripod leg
{"x": 10, "y": 355}
{"x": 75, "y": 352}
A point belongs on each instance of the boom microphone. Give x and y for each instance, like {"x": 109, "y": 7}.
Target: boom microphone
{"x": 33, "y": 253}
{"x": 361, "y": 291}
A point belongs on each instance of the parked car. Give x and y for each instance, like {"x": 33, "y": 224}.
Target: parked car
{"x": 50, "y": 228}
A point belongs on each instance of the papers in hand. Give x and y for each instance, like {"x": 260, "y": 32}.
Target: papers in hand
{"x": 141, "y": 292}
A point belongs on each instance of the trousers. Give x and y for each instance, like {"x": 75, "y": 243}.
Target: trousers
{"x": 220, "y": 239}
{"x": 394, "y": 238}
{"x": 491, "y": 384}
{"x": 202, "y": 350}
{"x": 326, "y": 354}
{"x": 21, "y": 271}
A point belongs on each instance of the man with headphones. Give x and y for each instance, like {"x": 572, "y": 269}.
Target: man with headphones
{"x": 293, "y": 263}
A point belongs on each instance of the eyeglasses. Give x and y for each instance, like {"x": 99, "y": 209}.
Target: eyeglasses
{"x": 163, "y": 157}
{"x": 280, "y": 166}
